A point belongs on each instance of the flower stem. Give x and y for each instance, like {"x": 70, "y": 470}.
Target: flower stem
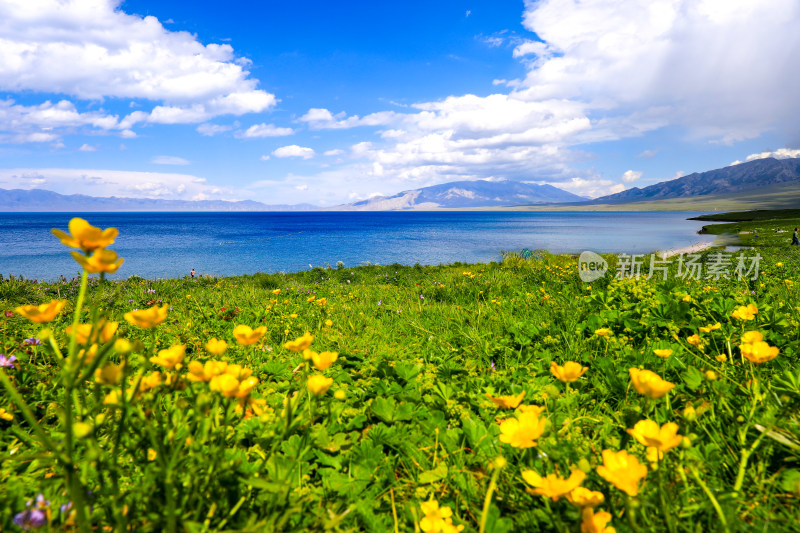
{"x": 488, "y": 499}
{"x": 712, "y": 499}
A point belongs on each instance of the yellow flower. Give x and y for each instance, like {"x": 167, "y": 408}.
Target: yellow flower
{"x": 147, "y": 318}
{"x": 301, "y": 343}
{"x": 150, "y": 382}
{"x": 311, "y": 299}
{"x": 568, "y": 373}
{"x": 603, "y": 332}
{"x": 507, "y": 402}
{"x": 709, "y": 328}
{"x": 151, "y": 454}
{"x": 649, "y": 383}
{"x": 751, "y": 337}
{"x": 329, "y": 322}
{"x": 110, "y": 374}
{"x": 662, "y": 352}
{"x": 276, "y": 291}
{"x": 231, "y": 387}
{"x": 648, "y": 433}
{"x": 206, "y": 372}
{"x": 171, "y": 357}
{"x": 622, "y": 470}
{"x": 721, "y": 358}
{"x": 583, "y": 497}
{"x": 687, "y": 298}
{"x": 100, "y": 261}
{"x": 553, "y": 486}
{"x": 745, "y": 312}
{"x": 85, "y": 236}
{"x": 293, "y": 315}
{"x": 217, "y": 347}
{"x": 5, "y": 415}
{"x": 90, "y": 332}
{"x": 246, "y": 335}
{"x": 758, "y": 352}
{"x": 536, "y": 409}
{"x": 596, "y": 523}
{"x": 322, "y": 301}
{"x": 323, "y": 360}
{"x": 694, "y": 340}
{"x": 437, "y": 519}
{"x": 319, "y": 384}
{"x": 41, "y": 313}
{"x": 522, "y": 432}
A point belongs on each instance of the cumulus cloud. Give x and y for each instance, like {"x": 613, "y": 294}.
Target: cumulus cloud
{"x": 209, "y": 130}
{"x": 782, "y": 153}
{"x": 87, "y": 148}
{"x": 294, "y": 150}
{"x": 258, "y": 131}
{"x": 169, "y": 160}
{"x": 720, "y": 69}
{"x": 598, "y": 70}
{"x": 629, "y": 176}
{"x": 104, "y": 183}
{"x": 92, "y": 50}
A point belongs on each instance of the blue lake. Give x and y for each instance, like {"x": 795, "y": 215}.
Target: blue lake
{"x": 169, "y": 245}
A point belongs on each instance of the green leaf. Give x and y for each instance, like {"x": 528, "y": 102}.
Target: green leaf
{"x": 693, "y": 378}
{"x": 429, "y": 476}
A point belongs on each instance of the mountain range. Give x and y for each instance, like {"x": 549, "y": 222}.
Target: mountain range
{"x": 732, "y": 179}
{"x": 467, "y": 194}
{"x": 772, "y": 181}
{"x": 35, "y": 200}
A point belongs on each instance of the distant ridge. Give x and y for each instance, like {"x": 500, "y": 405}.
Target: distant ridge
{"x": 36, "y": 200}
{"x": 732, "y": 179}
{"x": 466, "y": 194}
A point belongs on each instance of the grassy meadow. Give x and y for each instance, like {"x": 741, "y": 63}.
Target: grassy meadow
{"x": 498, "y": 397}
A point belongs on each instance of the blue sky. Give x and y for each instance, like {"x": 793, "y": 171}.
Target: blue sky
{"x": 328, "y": 103}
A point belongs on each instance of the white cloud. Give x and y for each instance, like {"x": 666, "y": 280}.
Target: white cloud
{"x": 590, "y": 188}
{"x": 87, "y": 148}
{"x": 48, "y": 121}
{"x": 629, "y": 176}
{"x": 679, "y": 174}
{"x": 294, "y": 151}
{"x": 781, "y": 153}
{"x": 210, "y": 130}
{"x": 301, "y": 187}
{"x": 169, "y": 160}
{"x": 265, "y": 158}
{"x": 104, "y": 183}
{"x": 722, "y": 70}
{"x": 333, "y": 152}
{"x": 649, "y": 154}
{"x": 92, "y": 50}
{"x": 264, "y": 130}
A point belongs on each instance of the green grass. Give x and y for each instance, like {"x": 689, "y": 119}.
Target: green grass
{"x": 408, "y": 416}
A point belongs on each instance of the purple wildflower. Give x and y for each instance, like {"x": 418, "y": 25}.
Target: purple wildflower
{"x": 492, "y": 367}
{"x": 34, "y": 516}
{"x": 31, "y": 519}
{"x": 7, "y": 362}
{"x": 380, "y": 302}
{"x": 33, "y": 341}
{"x": 421, "y": 297}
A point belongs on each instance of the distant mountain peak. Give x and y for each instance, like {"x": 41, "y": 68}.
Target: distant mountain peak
{"x": 467, "y": 194}
{"x": 731, "y": 179}
{"x": 37, "y": 200}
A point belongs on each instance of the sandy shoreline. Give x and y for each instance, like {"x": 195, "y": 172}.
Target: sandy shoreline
{"x": 691, "y": 249}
